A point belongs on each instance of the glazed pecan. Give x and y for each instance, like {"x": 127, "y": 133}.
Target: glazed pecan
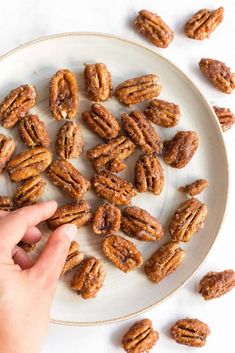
{"x": 28, "y": 248}
{"x": 219, "y": 74}
{"x": 7, "y": 148}
{"x": 122, "y": 252}
{"x": 188, "y": 219}
{"x": 16, "y": 105}
{"x": 140, "y": 337}
{"x": 163, "y": 113}
{"x": 101, "y": 121}
{"x": 154, "y": 28}
{"x": 6, "y": 203}
{"x": 215, "y": 284}
{"x": 63, "y": 97}
{"x": 142, "y": 132}
{"x": 33, "y": 131}
{"x": 195, "y": 188}
{"x": 180, "y": 150}
{"x": 29, "y": 163}
{"x": 69, "y": 142}
{"x": 64, "y": 175}
{"x": 138, "y": 89}
{"x": 191, "y": 332}
{"x": 73, "y": 258}
{"x": 30, "y": 191}
{"x": 112, "y": 188}
{"x": 139, "y": 224}
{"x": 98, "y": 82}
{"x": 225, "y": 116}
{"x": 89, "y": 278}
{"x": 107, "y": 219}
{"x": 164, "y": 261}
{"x": 203, "y": 23}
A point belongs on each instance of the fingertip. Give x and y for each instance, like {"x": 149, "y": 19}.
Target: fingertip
{"x": 69, "y": 230}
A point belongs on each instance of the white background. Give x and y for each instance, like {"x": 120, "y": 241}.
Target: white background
{"x": 24, "y": 20}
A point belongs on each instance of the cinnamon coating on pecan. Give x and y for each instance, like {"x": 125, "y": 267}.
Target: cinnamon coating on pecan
{"x": 33, "y": 131}
{"x": 195, "y": 188}
{"x": 225, "y": 116}
{"x": 6, "y": 203}
{"x": 98, "y": 82}
{"x": 107, "y": 219}
{"x": 7, "y": 148}
{"x": 73, "y": 259}
{"x": 69, "y": 141}
{"x": 30, "y": 191}
{"x": 163, "y": 113}
{"x": 216, "y": 284}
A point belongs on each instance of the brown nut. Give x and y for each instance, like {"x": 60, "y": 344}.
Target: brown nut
{"x": 64, "y": 175}
{"x": 6, "y": 203}
{"x": 30, "y": 191}
{"x": 195, "y": 188}
{"x": 98, "y": 82}
{"x": 138, "y": 89}
{"x": 107, "y": 219}
{"x": 164, "y": 261}
{"x": 89, "y": 278}
{"x": 140, "y": 337}
{"x": 154, "y": 28}
{"x": 69, "y": 142}
{"x": 142, "y": 133}
{"x": 163, "y": 113}
{"x": 16, "y": 105}
{"x": 63, "y": 97}
{"x": 215, "y": 284}
{"x": 33, "y": 131}
{"x": 7, "y": 148}
{"x": 28, "y": 248}
{"x": 73, "y": 259}
{"x": 225, "y": 116}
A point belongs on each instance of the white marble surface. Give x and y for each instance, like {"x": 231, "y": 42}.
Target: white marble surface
{"x": 21, "y": 21}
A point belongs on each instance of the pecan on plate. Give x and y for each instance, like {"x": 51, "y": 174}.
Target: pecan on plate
{"x": 89, "y": 278}
{"x": 215, "y": 284}
{"x": 30, "y": 191}
{"x": 16, "y": 105}
{"x": 6, "y": 203}
{"x": 107, "y": 219}
{"x": 219, "y": 74}
{"x": 122, "y": 252}
{"x": 164, "y": 261}
{"x": 225, "y": 116}
{"x": 188, "y": 219}
{"x": 112, "y": 188}
{"x": 69, "y": 142}
{"x": 139, "y": 224}
{"x": 149, "y": 175}
{"x": 64, "y": 175}
{"x": 195, "y": 188}
{"x": 29, "y": 163}
{"x": 28, "y": 248}
{"x": 163, "y": 113}
{"x": 180, "y": 150}
{"x": 98, "y": 82}
{"x": 33, "y": 131}
{"x": 101, "y": 121}
{"x": 7, "y": 148}
{"x": 63, "y": 97}
{"x": 140, "y": 337}
{"x": 142, "y": 132}
{"x": 203, "y": 23}
{"x": 191, "y": 332}
{"x": 73, "y": 258}
{"x": 138, "y": 89}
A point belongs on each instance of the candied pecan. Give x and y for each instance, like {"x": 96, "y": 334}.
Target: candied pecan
{"x": 73, "y": 258}
{"x": 164, "y": 261}
{"x": 64, "y": 175}
{"x": 6, "y": 203}
{"x": 30, "y": 191}
{"x": 7, "y": 148}
{"x": 89, "y": 278}
{"x": 203, "y": 23}
{"x": 219, "y": 74}
{"x": 16, "y": 105}
{"x": 98, "y": 82}
{"x": 101, "y": 121}
{"x": 112, "y": 188}
{"x": 180, "y": 150}
{"x": 63, "y": 97}
{"x": 33, "y": 131}
{"x": 107, "y": 219}
{"x": 138, "y": 89}
{"x": 225, "y": 116}
{"x": 140, "y": 337}
{"x": 69, "y": 142}
{"x": 163, "y": 113}
{"x": 215, "y": 284}
{"x": 195, "y": 188}
{"x": 191, "y": 332}
{"x": 27, "y": 247}
{"x": 29, "y": 163}
{"x": 154, "y": 28}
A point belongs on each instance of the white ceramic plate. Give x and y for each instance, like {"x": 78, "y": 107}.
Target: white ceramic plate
{"x": 124, "y": 295}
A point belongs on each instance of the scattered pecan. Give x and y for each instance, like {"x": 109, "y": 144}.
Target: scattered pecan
{"x": 163, "y": 113}
{"x": 7, "y": 148}
{"x": 69, "y": 142}
{"x": 30, "y": 191}
{"x": 33, "y": 131}
{"x": 225, "y": 116}
{"x": 195, "y": 188}
{"x": 6, "y": 203}
{"x": 98, "y": 82}
{"x": 215, "y": 284}
{"x": 107, "y": 219}
{"x": 73, "y": 258}
{"x": 28, "y": 248}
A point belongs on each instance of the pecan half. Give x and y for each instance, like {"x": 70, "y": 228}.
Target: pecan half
{"x": 219, "y": 74}
{"x": 180, "y": 150}
{"x": 28, "y": 248}
{"x": 89, "y": 278}
{"x": 29, "y": 163}
{"x": 63, "y": 97}
{"x": 122, "y": 252}
{"x": 164, "y": 261}
{"x": 195, "y": 188}
{"x": 64, "y": 175}
{"x": 6, "y": 203}
{"x": 112, "y": 188}
{"x": 33, "y": 131}
{"x": 138, "y": 89}
{"x": 98, "y": 82}
{"x": 215, "y": 284}
{"x": 188, "y": 219}
{"x": 101, "y": 121}
{"x": 225, "y": 116}
{"x": 191, "y": 332}
{"x": 163, "y": 113}
{"x": 154, "y": 28}
{"x": 69, "y": 142}
{"x": 30, "y": 191}
{"x": 140, "y": 337}
{"x": 203, "y": 23}
{"x": 73, "y": 258}
{"x": 7, "y": 148}
{"x": 142, "y": 132}
{"x": 107, "y": 219}
{"x": 16, "y": 105}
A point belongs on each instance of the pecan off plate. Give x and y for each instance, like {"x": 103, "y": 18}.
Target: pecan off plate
{"x": 215, "y": 284}
{"x": 69, "y": 141}
{"x": 7, "y": 148}
{"x": 98, "y": 84}
{"x": 225, "y": 116}
{"x": 107, "y": 219}
{"x": 33, "y": 131}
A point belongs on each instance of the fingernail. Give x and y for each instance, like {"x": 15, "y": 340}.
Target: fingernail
{"x": 70, "y": 230}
